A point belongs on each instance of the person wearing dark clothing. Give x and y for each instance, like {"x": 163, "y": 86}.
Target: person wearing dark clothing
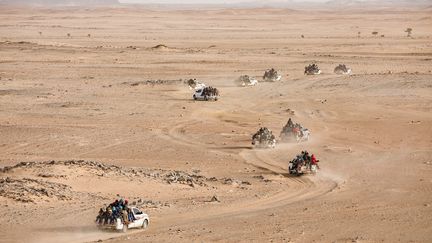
{"x": 290, "y": 123}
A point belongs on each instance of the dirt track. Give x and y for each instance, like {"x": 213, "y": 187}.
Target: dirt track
{"x": 87, "y": 98}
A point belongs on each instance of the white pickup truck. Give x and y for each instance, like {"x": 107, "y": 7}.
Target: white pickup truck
{"x": 141, "y": 221}
{"x": 206, "y": 93}
{"x": 246, "y": 80}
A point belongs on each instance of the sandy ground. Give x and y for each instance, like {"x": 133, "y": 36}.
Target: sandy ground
{"x": 87, "y": 98}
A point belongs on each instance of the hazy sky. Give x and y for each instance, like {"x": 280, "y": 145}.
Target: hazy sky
{"x": 212, "y": 1}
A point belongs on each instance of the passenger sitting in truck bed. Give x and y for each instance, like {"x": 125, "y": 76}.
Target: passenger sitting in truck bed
{"x": 314, "y": 161}
{"x": 131, "y": 216}
{"x": 101, "y": 216}
{"x": 125, "y": 218}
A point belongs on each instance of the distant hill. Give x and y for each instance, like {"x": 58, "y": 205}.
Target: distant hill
{"x": 292, "y": 4}
{"x": 265, "y": 4}
{"x": 407, "y": 3}
{"x": 60, "y": 2}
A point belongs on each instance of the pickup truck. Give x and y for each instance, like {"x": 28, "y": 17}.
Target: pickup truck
{"x": 301, "y": 169}
{"x": 141, "y": 221}
{"x": 206, "y": 93}
{"x": 246, "y": 80}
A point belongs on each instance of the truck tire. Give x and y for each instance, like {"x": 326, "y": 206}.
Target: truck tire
{"x": 145, "y": 224}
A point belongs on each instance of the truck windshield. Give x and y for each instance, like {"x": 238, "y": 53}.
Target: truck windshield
{"x": 136, "y": 211}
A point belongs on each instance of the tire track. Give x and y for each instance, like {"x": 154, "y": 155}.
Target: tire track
{"x": 301, "y": 188}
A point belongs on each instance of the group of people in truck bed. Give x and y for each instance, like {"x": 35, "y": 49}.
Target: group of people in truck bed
{"x": 117, "y": 209}
{"x": 292, "y": 131}
{"x": 305, "y": 159}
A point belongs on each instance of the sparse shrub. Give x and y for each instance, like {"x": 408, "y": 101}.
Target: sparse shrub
{"x": 408, "y": 31}
{"x": 375, "y": 33}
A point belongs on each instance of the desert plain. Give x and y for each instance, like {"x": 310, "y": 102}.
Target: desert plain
{"x": 93, "y": 104}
